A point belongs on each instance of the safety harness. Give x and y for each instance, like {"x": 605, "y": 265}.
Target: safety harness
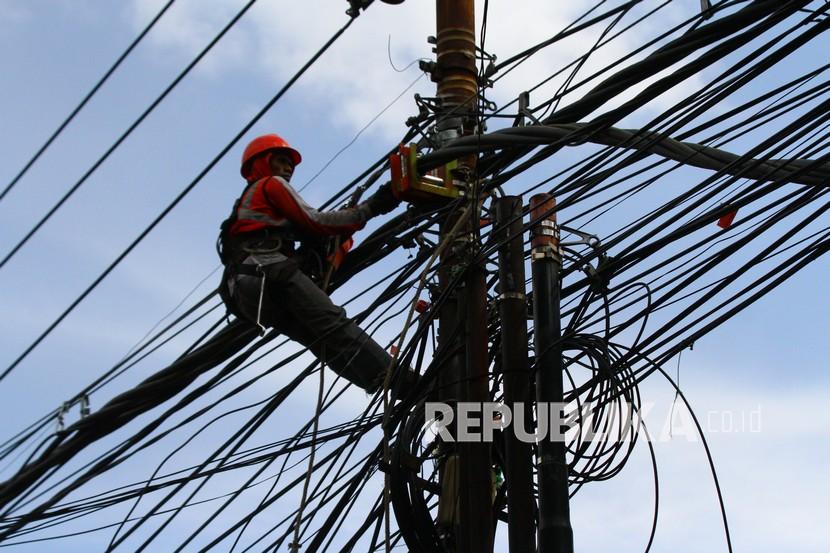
{"x": 234, "y": 249}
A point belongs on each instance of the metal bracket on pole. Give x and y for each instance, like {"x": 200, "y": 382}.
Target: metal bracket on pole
{"x": 524, "y": 111}
{"x": 587, "y": 239}
{"x": 599, "y": 275}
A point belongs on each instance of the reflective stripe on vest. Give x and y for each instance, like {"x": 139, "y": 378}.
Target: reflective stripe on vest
{"x": 244, "y": 212}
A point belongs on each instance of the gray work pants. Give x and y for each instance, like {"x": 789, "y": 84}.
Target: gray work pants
{"x": 296, "y": 307}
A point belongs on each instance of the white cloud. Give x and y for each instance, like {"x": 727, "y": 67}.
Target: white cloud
{"x": 12, "y": 14}
{"x": 187, "y": 27}
{"x": 355, "y": 80}
{"x": 773, "y": 499}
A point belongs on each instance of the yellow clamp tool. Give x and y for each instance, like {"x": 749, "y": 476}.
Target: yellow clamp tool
{"x": 408, "y": 185}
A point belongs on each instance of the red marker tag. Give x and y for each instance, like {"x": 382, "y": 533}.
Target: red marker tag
{"x": 726, "y": 220}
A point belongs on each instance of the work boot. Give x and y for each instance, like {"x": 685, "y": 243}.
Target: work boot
{"x": 402, "y": 382}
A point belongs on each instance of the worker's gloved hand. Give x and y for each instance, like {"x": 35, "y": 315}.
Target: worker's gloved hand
{"x": 383, "y": 201}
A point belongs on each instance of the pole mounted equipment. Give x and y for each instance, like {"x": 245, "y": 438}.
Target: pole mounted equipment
{"x": 438, "y": 185}
{"x": 555, "y": 533}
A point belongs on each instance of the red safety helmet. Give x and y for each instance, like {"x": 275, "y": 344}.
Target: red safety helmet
{"x": 262, "y": 144}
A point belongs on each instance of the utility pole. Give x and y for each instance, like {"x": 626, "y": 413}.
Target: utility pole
{"x": 555, "y": 533}
{"x": 518, "y": 388}
{"x": 465, "y": 505}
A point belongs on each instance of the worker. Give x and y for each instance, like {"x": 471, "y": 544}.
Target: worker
{"x": 273, "y": 247}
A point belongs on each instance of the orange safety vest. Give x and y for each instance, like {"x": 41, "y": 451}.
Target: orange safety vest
{"x": 272, "y": 203}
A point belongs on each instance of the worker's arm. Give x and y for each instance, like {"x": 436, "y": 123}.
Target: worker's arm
{"x": 343, "y": 221}
{"x": 291, "y": 206}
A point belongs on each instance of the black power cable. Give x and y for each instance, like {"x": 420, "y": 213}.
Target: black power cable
{"x": 127, "y": 133}
{"x": 604, "y": 375}
{"x": 180, "y": 197}
{"x": 86, "y": 99}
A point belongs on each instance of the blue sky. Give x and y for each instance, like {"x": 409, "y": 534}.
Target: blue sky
{"x": 770, "y": 357}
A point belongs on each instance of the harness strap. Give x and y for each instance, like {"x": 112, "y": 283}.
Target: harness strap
{"x": 262, "y": 328}
{"x": 250, "y": 270}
